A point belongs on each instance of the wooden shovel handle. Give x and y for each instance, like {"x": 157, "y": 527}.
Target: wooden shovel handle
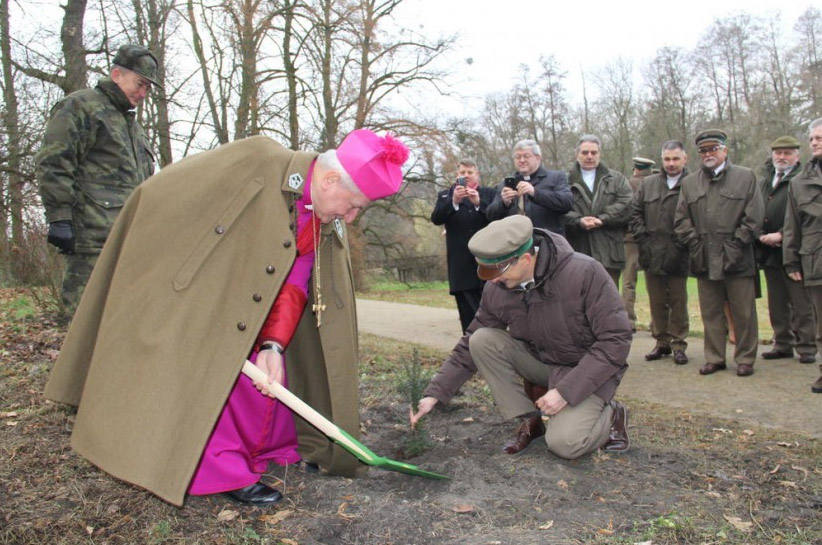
{"x": 304, "y": 409}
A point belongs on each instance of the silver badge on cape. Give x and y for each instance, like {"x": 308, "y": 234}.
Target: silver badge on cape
{"x": 295, "y": 181}
{"x": 339, "y": 226}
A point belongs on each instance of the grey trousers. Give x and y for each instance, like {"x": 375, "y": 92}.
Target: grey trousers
{"x": 503, "y": 361}
{"x": 668, "y": 296}
{"x": 741, "y": 297}
{"x": 791, "y": 312}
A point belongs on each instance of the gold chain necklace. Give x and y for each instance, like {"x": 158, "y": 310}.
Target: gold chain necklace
{"x": 317, "y": 307}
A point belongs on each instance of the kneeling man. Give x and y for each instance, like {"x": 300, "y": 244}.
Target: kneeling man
{"x": 552, "y": 319}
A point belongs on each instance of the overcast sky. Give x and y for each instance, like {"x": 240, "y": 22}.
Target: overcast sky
{"x": 498, "y": 36}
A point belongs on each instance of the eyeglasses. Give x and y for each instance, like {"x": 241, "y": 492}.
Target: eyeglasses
{"x": 523, "y": 156}
{"x": 710, "y": 149}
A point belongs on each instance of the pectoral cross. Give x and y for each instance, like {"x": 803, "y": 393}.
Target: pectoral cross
{"x": 318, "y": 308}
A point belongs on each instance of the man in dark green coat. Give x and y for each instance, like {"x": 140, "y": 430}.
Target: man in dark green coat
{"x": 789, "y": 304}
{"x": 802, "y": 232}
{"x": 93, "y": 155}
{"x": 663, "y": 258}
{"x": 602, "y": 207}
{"x": 719, "y": 216}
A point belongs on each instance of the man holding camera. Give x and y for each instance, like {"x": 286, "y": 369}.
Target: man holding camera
{"x": 461, "y": 209}
{"x": 542, "y": 195}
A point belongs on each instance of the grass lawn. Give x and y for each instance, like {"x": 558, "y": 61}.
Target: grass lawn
{"x": 435, "y": 294}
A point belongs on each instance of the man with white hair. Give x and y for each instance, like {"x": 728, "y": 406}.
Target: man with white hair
{"x": 239, "y": 252}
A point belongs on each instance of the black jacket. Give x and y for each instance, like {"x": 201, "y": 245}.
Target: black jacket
{"x": 460, "y": 226}
{"x": 546, "y": 209}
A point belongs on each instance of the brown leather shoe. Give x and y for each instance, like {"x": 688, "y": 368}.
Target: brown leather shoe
{"x": 744, "y": 370}
{"x": 657, "y": 353}
{"x": 776, "y": 355}
{"x": 529, "y": 429}
{"x": 817, "y": 386}
{"x": 807, "y": 358}
{"x": 680, "y": 358}
{"x": 711, "y": 368}
{"x": 618, "y": 439}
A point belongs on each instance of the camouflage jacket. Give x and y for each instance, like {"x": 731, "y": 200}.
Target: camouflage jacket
{"x": 93, "y": 155}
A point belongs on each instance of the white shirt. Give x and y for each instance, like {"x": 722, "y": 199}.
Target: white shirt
{"x": 589, "y": 176}
{"x": 672, "y": 181}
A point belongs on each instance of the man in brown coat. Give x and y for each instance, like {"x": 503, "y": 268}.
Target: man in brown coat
{"x": 718, "y": 216}
{"x": 552, "y": 317}
{"x": 193, "y": 273}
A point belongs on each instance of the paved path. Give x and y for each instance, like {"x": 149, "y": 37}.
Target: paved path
{"x": 777, "y": 395}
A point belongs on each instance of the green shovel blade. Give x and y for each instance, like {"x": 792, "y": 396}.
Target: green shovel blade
{"x": 365, "y": 455}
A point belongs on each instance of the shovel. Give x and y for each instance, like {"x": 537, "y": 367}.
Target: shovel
{"x": 334, "y": 432}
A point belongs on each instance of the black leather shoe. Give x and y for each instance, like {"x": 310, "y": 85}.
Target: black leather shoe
{"x": 618, "y": 439}
{"x": 529, "y": 429}
{"x": 817, "y": 386}
{"x": 711, "y": 368}
{"x": 776, "y": 355}
{"x": 807, "y": 358}
{"x": 657, "y": 353}
{"x": 744, "y": 370}
{"x": 680, "y": 358}
{"x": 256, "y": 494}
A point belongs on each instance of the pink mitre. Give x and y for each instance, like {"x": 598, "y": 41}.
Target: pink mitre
{"x": 373, "y": 162}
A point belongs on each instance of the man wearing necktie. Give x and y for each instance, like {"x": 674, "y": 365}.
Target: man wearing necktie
{"x": 789, "y": 305}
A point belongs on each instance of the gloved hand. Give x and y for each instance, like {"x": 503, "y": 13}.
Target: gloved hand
{"x": 61, "y": 235}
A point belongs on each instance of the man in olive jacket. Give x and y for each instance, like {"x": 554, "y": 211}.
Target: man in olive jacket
{"x": 802, "y": 232}
{"x": 184, "y": 285}
{"x": 93, "y": 154}
{"x": 718, "y": 217}
{"x": 602, "y": 207}
{"x": 550, "y": 316}
{"x": 663, "y": 258}
{"x": 789, "y": 304}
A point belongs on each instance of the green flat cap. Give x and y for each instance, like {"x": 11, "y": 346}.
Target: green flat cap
{"x": 711, "y": 135}
{"x": 138, "y": 59}
{"x": 786, "y": 142}
{"x": 498, "y": 245}
{"x": 641, "y": 163}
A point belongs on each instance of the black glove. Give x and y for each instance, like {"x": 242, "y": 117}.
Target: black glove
{"x": 61, "y": 235}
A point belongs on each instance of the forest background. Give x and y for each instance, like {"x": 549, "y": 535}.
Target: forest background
{"x": 306, "y": 72}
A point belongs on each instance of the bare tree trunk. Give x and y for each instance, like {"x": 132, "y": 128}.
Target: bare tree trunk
{"x": 14, "y": 179}
{"x": 74, "y": 52}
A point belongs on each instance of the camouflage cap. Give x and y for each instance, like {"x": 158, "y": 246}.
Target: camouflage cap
{"x": 498, "y": 245}
{"x": 138, "y": 59}
{"x": 786, "y": 142}
{"x": 711, "y": 135}
{"x": 641, "y": 163}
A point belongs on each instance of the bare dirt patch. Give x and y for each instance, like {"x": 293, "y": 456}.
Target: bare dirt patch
{"x": 687, "y": 479}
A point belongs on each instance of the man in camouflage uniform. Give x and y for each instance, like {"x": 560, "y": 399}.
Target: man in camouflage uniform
{"x": 93, "y": 155}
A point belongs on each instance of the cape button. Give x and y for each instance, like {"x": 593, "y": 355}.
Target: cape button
{"x": 270, "y": 269}
{"x": 257, "y": 297}
{"x": 286, "y": 244}
{"x": 241, "y": 326}
{"x": 219, "y": 229}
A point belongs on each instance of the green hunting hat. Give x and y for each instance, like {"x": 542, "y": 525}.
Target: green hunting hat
{"x": 498, "y": 245}
{"x": 711, "y": 135}
{"x": 786, "y": 142}
{"x": 138, "y": 59}
{"x": 641, "y": 163}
